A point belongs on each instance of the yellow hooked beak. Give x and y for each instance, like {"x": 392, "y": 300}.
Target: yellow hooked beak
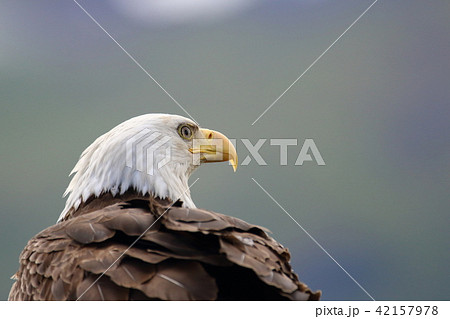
{"x": 213, "y": 146}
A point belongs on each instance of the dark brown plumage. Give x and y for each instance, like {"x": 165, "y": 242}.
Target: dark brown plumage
{"x": 184, "y": 254}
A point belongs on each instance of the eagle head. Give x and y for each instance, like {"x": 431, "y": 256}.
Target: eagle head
{"x": 151, "y": 154}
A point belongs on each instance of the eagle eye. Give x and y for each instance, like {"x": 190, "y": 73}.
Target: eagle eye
{"x": 185, "y": 131}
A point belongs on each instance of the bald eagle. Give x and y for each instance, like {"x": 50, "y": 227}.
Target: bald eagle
{"x": 130, "y": 230}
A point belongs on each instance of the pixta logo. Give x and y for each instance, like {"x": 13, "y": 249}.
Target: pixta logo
{"x": 148, "y": 151}
{"x": 284, "y": 145}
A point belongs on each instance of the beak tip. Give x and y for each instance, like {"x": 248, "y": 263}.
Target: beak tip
{"x": 233, "y": 164}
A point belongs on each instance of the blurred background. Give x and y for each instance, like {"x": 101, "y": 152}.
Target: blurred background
{"x": 376, "y": 105}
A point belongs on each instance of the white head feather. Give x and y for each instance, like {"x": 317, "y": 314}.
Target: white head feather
{"x": 105, "y": 165}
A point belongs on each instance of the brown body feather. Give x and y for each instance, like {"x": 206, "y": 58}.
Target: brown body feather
{"x": 184, "y": 254}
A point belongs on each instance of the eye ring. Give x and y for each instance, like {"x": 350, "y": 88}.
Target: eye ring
{"x": 185, "y": 131}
